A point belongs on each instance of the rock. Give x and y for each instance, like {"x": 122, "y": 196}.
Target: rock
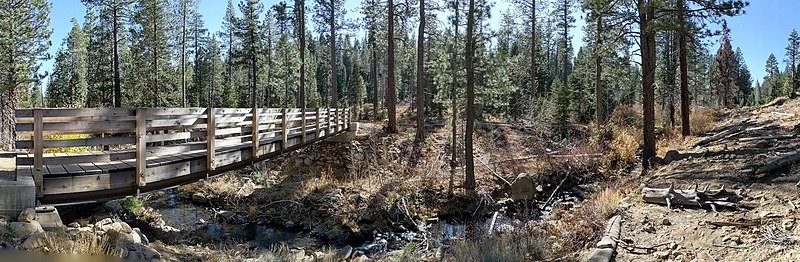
{"x": 35, "y": 241}
{"x": 665, "y": 222}
{"x": 360, "y": 258}
{"x": 210, "y": 233}
{"x": 662, "y": 254}
{"x": 27, "y": 215}
{"x": 113, "y": 207}
{"x": 345, "y": 252}
{"x": 788, "y": 224}
{"x": 103, "y": 222}
{"x": 143, "y": 237}
{"x": 74, "y": 225}
{"x": 22, "y": 230}
{"x": 200, "y": 222}
{"x": 199, "y": 198}
{"x": 308, "y": 161}
{"x": 121, "y": 227}
{"x": 139, "y": 252}
{"x": 523, "y": 188}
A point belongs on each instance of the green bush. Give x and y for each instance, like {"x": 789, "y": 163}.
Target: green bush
{"x": 134, "y": 204}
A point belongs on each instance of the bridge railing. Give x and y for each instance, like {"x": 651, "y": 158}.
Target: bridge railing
{"x": 73, "y": 151}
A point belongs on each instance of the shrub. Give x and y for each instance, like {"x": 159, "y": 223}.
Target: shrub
{"x": 66, "y": 149}
{"x": 134, "y": 204}
{"x": 701, "y": 120}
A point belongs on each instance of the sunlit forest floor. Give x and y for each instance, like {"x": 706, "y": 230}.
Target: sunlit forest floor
{"x": 373, "y": 188}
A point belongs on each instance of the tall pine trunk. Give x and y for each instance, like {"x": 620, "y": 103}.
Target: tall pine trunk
{"x": 183, "y": 54}
{"x": 334, "y": 98}
{"x": 421, "y": 74}
{"x": 684, "y": 69}
{"x": 533, "y": 82}
{"x": 391, "y": 127}
{"x": 600, "y": 92}
{"x": 647, "y": 40}
{"x": 469, "y": 182}
{"x": 115, "y": 62}
{"x": 453, "y": 97}
{"x": 301, "y": 33}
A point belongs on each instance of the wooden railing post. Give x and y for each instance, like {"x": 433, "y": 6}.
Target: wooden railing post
{"x": 210, "y": 139}
{"x": 303, "y": 125}
{"x": 284, "y": 130}
{"x": 336, "y": 117}
{"x": 38, "y": 150}
{"x": 328, "y": 126}
{"x": 254, "y": 154}
{"x": 141, "y": 145}
{"x": 317, "y": 120}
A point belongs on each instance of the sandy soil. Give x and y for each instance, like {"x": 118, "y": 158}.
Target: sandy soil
{"x": 768, "y": 203}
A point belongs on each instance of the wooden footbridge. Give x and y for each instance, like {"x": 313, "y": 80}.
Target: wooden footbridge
{"x": 77, "y": 155}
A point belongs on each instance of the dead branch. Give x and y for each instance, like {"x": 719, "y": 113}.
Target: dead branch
{"x": 495, "y": 174}
{"x": 778, "y": 163}
{"x": 691, "y": 197}
{"x": 555, "y": 191}
{"x": 721, "y": 135}
{"x": 769, "y": 137}
{"x": 734, "y": 224}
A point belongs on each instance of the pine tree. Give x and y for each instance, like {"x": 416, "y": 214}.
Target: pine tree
{"x": 391, "y": 95}
{"x": 24, "y": 38}
{"x": 69, "y": 86}
{"x": 725, "y": 73}
{"x": 231, "y": 96}
{"x": 329, "y": 14}
{"x": 469, "y": 56}
{"x": 792, "y": 56}
{"x": 249, "y": 31}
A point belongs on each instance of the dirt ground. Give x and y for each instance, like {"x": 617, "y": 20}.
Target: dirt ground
{"x": 767, "y": 213}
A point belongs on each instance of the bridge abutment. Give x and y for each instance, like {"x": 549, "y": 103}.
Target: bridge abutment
{"x": 17, "y": 191}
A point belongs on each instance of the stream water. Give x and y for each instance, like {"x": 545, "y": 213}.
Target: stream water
{"x": 441, "y": 232}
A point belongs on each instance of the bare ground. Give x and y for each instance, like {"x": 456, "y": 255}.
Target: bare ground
{"x": 767, "y": 214}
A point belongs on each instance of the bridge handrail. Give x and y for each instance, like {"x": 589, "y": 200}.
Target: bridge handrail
{"x": 145, "y": 134}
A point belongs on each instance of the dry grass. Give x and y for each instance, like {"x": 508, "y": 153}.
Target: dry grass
{"x": 83, "y": 243}
{"x": 701, "y": 120}
{"x": 528, "y": 243}
{"x": 626, "y": 135}
{"x": 228, "y": 187}
{"x": 607, "y": 201}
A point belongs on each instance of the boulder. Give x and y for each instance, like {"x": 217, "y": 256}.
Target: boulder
{"x": 199, "y": 198}
{"x": 27, "y": 215}
{"x": 139, "y": 252}
{"x": 35, "y": 241}
{"x": 103, "y": 222}
{"x": 74, "y": 225}
{"x": 22, "y": 230}
{"x": 113, "y": 207}
{"x": 143, "y": 237}
{"x": 121, "y": 227}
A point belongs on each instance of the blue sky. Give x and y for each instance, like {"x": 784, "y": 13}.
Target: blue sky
{"x": 763, "y": 30}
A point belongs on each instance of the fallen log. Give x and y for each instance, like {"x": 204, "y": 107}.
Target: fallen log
{"x": 769, "y": 137}
{"x": 778, "y": 163}
{"x": 727, "y": 133}
{"x": 691, "y": 197}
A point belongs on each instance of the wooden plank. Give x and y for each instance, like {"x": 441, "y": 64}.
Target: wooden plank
{"x": 70, "y": 119}
{"x": 90, "y": 168}
{"x": 77, "y": 184}
{"x": 150, "y": 138}
{"x": 157, "y": 112}
{"x": 210, "y": 139}
{"x": 81, "y": 127}
{"x": 87, "y": 157}
{"x": 38, "y": 150}
{"x": 174, "y": 149}
{"x": 75, "y": 112}
{"x": 175, "y": 123}
{"x": 57, "y": 170}
{"x": 80, "y": 142}
{"x": 174, "y": 170}
{"x": 105, "y": 167}
{"x": 141, "y": 147}
{"x": 73, "y": 169}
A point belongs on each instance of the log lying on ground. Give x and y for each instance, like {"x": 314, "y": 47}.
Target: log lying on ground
{"x": 692, "y": 197}
{"x": 778, "y": 163}
{"x": 727, "y": 133}
{"x": 769, "y": 137}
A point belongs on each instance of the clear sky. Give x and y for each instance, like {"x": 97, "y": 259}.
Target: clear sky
{"x": 763, "y": 30}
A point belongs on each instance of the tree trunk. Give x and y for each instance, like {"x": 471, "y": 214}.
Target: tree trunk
{"x": 566, "y": 45}
{"x": 334, "y": 97}
{"x": 453, "y": 97}
{"x": 391, "y": 127}
{"x": 684, "y": 70}
{"x": 373, "y": 70}
{"x": 301, "y": 92}
{"x": 648, "y": 50}
{"x": 8, "y": 121}
{"x": 469, "y": 182}
{"x": 533, "y": 82}
{"x": 183, "y": 54}
{"x": 115, "y": 62}
{"x": 421, "y": 74}
{"x": 600, "y": 111}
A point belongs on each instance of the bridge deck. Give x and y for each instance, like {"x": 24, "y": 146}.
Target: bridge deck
{"x": 102, "y": 152}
